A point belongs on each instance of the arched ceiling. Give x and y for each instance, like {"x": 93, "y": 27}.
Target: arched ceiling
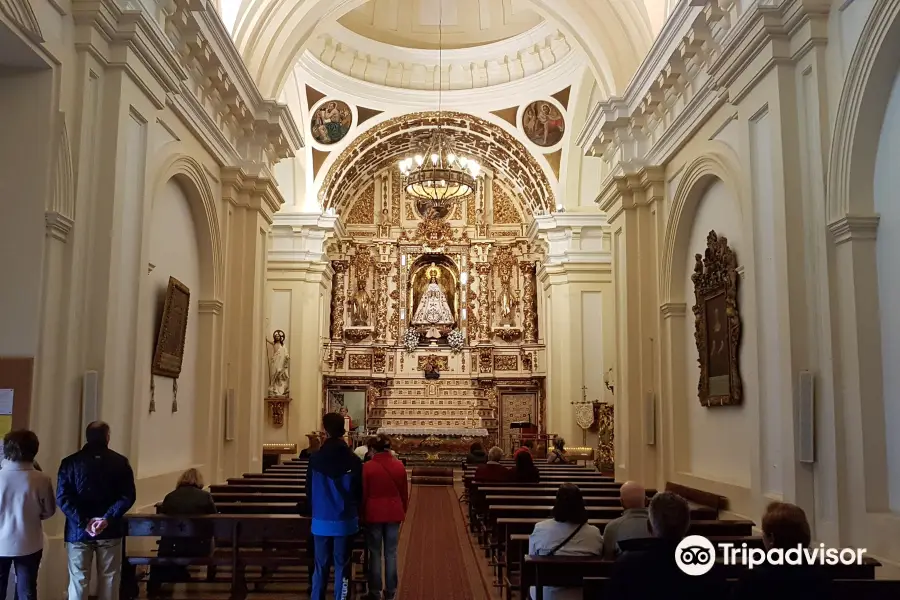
{"x": 388, "y": 142}
{"x": 613, "y": 34}
{"x": 465, "y": 23}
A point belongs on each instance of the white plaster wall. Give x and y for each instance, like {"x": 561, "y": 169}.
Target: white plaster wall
{"x": 719, "y": 438}
{"x": 887, "y": 205}
{"x": 24, "y": 100}
{"x": 167, "y": 438}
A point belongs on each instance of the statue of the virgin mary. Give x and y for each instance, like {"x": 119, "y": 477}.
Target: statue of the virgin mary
{"x": 433, "y": 308}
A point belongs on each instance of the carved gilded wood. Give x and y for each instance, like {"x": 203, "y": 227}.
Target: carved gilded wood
{"x": 172, "y": 331}
{"x": 717, "y": 320}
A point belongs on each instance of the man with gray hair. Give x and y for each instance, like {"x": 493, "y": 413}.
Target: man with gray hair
{"x": 633, "y": 524}
{"x": 493, "y": 471}
{"x": 649, "y": 570}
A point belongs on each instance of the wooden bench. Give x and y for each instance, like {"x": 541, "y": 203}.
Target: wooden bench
{"x": 239, "y": 488}
{"x": 699, "y": 496}
{"x": 857, "y": 589}
{"x": 571, "y": 571}
{"x": 240, "y": 540}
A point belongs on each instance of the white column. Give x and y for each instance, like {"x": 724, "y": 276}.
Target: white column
{"x": 298, "y": 287}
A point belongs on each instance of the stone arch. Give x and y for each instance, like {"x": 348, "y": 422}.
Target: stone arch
{"x": 718, "y": 164}
{"x": 190, "y": 175}
{"x": 861, "y": 110}
{"x": 384, "y": 143}
{"x": 271, "y": 35}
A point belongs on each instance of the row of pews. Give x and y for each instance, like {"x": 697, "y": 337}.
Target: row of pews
{"x": 260, "y": 537}
{"x": 503, "y": 515}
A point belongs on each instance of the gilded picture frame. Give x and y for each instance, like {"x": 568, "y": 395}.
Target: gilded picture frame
{"x": 717, "y": 324}
{"x": 169, "y": 354}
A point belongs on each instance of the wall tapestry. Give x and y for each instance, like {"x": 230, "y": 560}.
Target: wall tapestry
{"x": 717, "y": 324}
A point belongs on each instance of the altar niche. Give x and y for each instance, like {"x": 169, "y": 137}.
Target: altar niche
{"x": 433, "y": 280}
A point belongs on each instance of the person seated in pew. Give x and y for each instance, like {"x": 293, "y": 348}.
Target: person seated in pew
{"x": 525, "y": 471}
{"x": 633, "y": 524}
{"x": 492, "y": 470}
{"x": 314, "y": 444}
{"x": 187, "y": 499}
{"x": 477, "y": 455}
{"x": 557, "y": 456}
{"x": 566, "y": 534}
{"x": 527, "y": 447}
{"x": 785, "y": 527}
{"x": 651, "y": 571}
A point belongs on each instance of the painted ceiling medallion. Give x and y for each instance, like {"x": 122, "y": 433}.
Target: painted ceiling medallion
{"x": 331, "y": 122}
{"x": 543, "y": 123}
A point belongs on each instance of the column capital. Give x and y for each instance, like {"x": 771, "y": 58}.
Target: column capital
{"x": 632, "y": 189}
{"x": 58, "y": 225}
{"x": 212, "y": 307}
{"x": 572, "y": 237}
{"x": 854, "y": 228}
{"x": 252, "y": 186}
{"x": 671, "y": 310}
{"x": 303, "y": 237}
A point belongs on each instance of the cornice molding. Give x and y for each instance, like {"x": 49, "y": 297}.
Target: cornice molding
{"x": 196, "y": 70}
{"x": 624, "y": 191}
{"x": 302, "y": 238}
{"x": 687, "y": 75}
{"x": 571, "y": 237}
{"x": 21, "y": 13}
{"x": 521, "y": 56}
{"x": 565, "y": 72}
{"x": 853, "y": 228}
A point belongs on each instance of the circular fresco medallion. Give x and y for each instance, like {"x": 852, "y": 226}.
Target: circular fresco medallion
{"x": 331, "y": 121}
{"x": 543, "y": 123}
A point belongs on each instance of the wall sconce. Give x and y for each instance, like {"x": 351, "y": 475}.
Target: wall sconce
{"x": 607, "y": 381}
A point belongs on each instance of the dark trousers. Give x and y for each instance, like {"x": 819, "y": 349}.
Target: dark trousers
{"x": 381, "y": 541}
{"x": 26, "y": 575}
{"x": 330, "y": 551}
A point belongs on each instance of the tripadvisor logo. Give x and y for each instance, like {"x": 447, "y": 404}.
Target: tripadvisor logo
{"x": 696, "y": 555}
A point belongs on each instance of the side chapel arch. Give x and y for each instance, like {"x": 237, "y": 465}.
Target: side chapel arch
{"x": 699, "y": 175}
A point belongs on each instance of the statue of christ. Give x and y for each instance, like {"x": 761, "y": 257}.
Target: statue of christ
{"x": 433, "y": 308}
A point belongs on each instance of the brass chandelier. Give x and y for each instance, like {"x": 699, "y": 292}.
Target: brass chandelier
{"x": 438, "y": 176}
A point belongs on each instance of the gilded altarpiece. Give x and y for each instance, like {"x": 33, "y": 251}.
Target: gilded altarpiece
{"x": 476, "y": 263}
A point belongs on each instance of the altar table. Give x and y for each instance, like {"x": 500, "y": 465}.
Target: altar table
{"x": 434, "y": 443}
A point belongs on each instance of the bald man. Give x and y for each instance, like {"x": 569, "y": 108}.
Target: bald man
{"x": 632, "y": 524}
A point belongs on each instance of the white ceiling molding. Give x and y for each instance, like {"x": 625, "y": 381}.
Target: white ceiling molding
{"x": 338, "y": 85}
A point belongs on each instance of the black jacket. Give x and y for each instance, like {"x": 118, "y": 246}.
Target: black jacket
{"x": 651, "y": 572}
{"x": 95, "y": 483}
{"x": 186, "y": 500}
{"x": 777, "y": 582}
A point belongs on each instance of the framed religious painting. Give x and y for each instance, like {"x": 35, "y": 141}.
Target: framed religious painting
{"x": 172, "y": 330}
{"x": 717, "y": 324}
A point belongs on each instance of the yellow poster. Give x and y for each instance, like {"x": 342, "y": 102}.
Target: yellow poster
{"x": 5, "y": 424}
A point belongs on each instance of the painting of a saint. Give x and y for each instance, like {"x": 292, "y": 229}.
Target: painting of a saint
{"x": 331, "y": 122}
{"x": 717, "y": 345}
{"x": 543, "y": 123}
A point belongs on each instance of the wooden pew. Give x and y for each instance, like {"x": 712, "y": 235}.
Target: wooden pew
{"x": 857, "y": 589}
{"x": 249, "y": 488}
{"x": 566, "y": 571}
{"x": 240, "y": 539}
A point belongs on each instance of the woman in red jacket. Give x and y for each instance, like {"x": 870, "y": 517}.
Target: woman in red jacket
{"x": 385, "y": 499}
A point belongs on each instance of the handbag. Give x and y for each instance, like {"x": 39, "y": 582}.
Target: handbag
{"x": 565, "y": 541}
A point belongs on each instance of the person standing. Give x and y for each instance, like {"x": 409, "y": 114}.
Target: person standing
{"x": 26, "y": 499}
{"x": 333, "y": 499}
{"x": 95, "y": 489}
{"x": 385, "y": 501}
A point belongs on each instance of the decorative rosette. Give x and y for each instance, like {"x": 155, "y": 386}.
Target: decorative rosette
{"x": 411, "y": 340}
{"x": 456, "y": 339}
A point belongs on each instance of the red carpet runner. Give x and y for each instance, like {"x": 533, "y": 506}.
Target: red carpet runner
{"x": 436, "y": 559}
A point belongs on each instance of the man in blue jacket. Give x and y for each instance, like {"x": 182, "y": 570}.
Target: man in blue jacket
{"x": 333, "y": 498}
{"x": 95, "y": 489}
